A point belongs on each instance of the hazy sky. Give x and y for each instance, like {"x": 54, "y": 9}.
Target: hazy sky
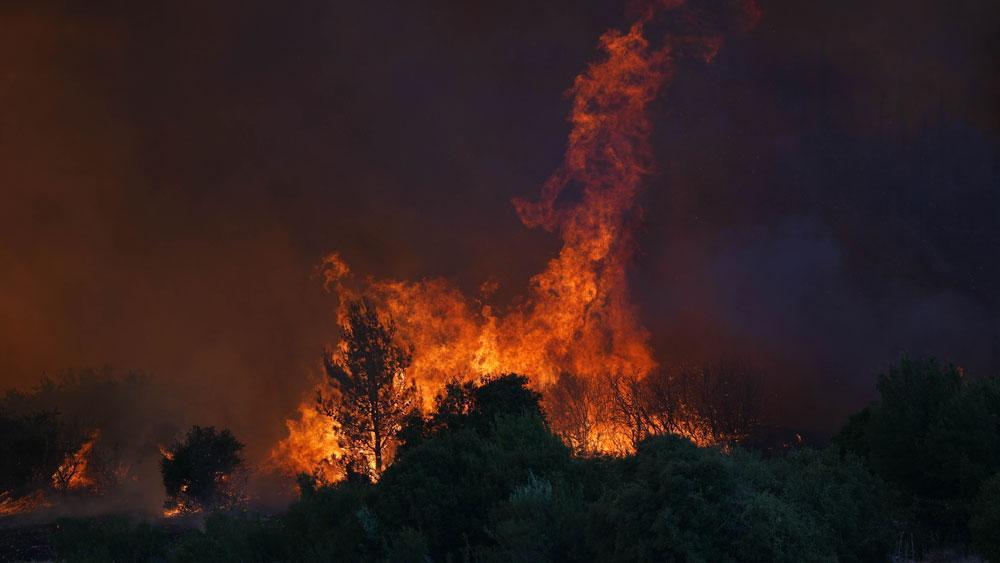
{"x": 827, "y": 198}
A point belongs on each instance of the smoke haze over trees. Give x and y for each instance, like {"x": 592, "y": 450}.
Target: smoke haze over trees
{"x": 166, "y": 210}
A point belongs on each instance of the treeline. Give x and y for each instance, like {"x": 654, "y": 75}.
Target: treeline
{"x": 484, "y": 478}
{"x": 494, "y": 472}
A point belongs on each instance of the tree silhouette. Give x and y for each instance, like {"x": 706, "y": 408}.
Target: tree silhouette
{"x": 198, "y": 472}
{"x": 371, "y": 394}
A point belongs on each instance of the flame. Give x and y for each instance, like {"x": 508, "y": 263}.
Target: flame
{"x": 73, "y": 473}
{"x": 312, "y": 447}
{"x": 10, "y": 506}
{"x": 577, "y": 315}
{"x": 179, "y": 508}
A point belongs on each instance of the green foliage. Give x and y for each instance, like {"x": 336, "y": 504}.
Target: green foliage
{"x": 985, "y": 522}
{"x": 409, "y": 546}
{"x": 446, "y": 486}
{"x": 853, "y": 437}
{"x": 334, "y": 523}
{"x": 477, "y": 405}
{"x": 912, "y": 395}
{"x": 197, "y": 471}
{"x": 487, "y": 480}
{"x": 848, "y": 503}
{"x": 964, "y": 440}
{"x": 681, "y": 503}
{"x": 113, "y": 538}
{"x": 539, "y": 521}
{"x": 934, "y": 436}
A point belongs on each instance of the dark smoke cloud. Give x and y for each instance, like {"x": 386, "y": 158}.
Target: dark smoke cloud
{"x": 826, "y": 195}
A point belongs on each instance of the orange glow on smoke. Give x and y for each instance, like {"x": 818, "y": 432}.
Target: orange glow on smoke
{"x": 576, "y": 315}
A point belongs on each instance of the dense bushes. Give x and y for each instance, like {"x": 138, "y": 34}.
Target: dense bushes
{"x": 679, "y": 502}
{"x": 934, "y": 436}
{"x": 483, "y": 478}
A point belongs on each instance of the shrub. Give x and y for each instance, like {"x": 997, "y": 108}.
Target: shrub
{"x": 197, "y": 472}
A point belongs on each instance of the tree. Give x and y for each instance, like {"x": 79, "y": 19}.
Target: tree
{"x": 717, "y": 404}
{"x": 198, "y": 472}
{"x": 728, "y": 398}
{"x": 934, "y": 435}
{"x": 371, "y": 394}
{"x": 912, "y": 395}
{"x": 472, "y": 405}
{"x": 580, "y": 412}
{"x": 488, "y": 440}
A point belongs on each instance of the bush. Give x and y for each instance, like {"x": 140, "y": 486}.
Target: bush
{"x": 334, "y": 523}
{"x": 539, "y": 521}
{"x": 487, "y": 480}
{"x": 847, "y": 502}
{"x": 678, "y": 502}
{"x": 912, "y": 394}
{"x": 448, "y": 485}
{"x": 934, "y": 437}
{"x": 197, "y": 472}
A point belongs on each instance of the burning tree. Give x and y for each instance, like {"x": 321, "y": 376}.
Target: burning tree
{"x": 719, "y": 404}
{"x": 371, "y": 395}
{"x": 580, "y": 412}
{"x": 198, "y": 472}
{"x": 73, "y": 472}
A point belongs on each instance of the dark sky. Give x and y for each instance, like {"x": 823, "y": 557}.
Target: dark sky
{"x": 827, "y": 194}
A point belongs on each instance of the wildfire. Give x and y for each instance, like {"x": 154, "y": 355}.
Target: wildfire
{"x": 577, "y": 315}
{"x": 312, "y": 447}
{"x": 72, "y": 473}
{"x": 10, "y": 506}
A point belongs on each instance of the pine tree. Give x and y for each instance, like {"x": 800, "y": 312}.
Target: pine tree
{"x": 371, "y": 395}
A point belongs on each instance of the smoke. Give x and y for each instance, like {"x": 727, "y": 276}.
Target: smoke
{"x": 822, "y": 200}
{"x": 122, "y": 419}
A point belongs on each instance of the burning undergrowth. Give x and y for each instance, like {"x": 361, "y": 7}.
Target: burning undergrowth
{"x": 85, "y": 442}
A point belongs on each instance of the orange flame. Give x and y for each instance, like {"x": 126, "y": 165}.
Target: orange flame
{"x": 73, "y": 473}
{"x": 577, "y": 315}
{"x": 10, "y": 506}
{"x": 312, "y": 447}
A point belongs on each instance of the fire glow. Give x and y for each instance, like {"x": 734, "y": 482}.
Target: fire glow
{"x": 74, "y": 472}
{"x": 577, "y": 316}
